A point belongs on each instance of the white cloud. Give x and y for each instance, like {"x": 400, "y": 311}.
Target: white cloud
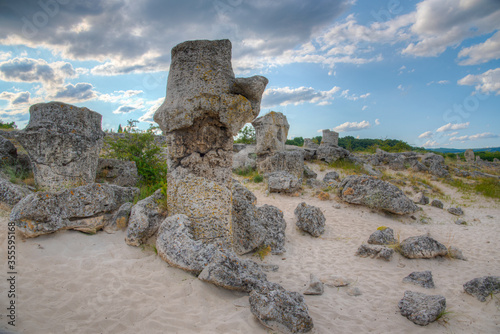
{"x": 440, "y": 24}
{"x": 364, "y": 108}
{"x": 443, "y": 82}
{"x": 154, "y": 105}
{"x": 431, "y": 143}
{"x": 353, "y": 97}
{"x": 452, "y": 134}
{"x": 487, "y": 82}
{"x": 451, "y": 127}
{"x": 426, "y": 134}
{"x": 352, "y": 126}
{"x": 484, "y": 135}
{"x": 285, "y": 95}
{"x": 377, "y": 121}
{"x": 481, "y": 53}
{"x": 461, "y": 138}
{"x": 36, "y": 70}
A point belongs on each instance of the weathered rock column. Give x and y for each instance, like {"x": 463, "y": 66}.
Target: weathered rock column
{"x": 204, "y": 108}
{"x": 63, "y": 143}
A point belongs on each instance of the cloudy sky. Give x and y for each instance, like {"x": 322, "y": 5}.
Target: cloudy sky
{"x": 426, "y": 72}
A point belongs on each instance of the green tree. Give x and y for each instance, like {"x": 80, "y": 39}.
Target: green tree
{"x": 140, "y": 146}
{"x": 11, "y": 125}
{"x": 296, "y": 141}
{"x": 246, "y": 135}
{"x": 120, "y": 129}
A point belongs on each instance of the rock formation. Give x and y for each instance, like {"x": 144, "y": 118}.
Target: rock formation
{"x": 422, "y": 278}
{"x": 271, "y": 131}
{"x": 87, "y": 208}
{"x": 205, "y": 106}
{"x": 482, "y": 287}
{"x": 310, "y": 219}
{"x": 382, "y": 236}
{"x": 375, "y": 193}
{"x": 63, "y": 143}
{"x": 375, "y": 252}
{"x": 420, "y": 308}
{"x": 330, "y": 138}
{"x": 422, "y": 247}
{"x": 329, "y": 150}
{"x": 119, "y": 172}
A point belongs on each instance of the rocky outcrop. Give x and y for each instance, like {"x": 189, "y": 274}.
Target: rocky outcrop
{"x": 120, "y": 218}
{"x": 87, "y": 208}
{"x": 422, "y": 247}
{"x": 280, "y": 310}
{"x": 228, "y": 271}
{"x": 8, "y": 152}
{"x": 289, "y": 161}
{"x": 11, "y": 193}
{"x": 63, "y": 143}
{"x": 382, "y": 236}
{"x": 283, "y": 182}
{"x": 421, "y": 199}
{"x": 248, "y": 231}
{"x": 375, "y": 193}
{"x": 375, "y": 252}
{"x": 469, "y": 156}
{"x": 457, "y": 211}
{"x": 422, "y": 278}
{"x": 205, "y": 106}
{"x": 483, "y": 287}
{"x": 119, "y": 172}
{"x": 330, "y": 138}
{"x": 437, "y": 204}
{"x": 145, "y": 219}
{"x": 177, "y": 245}
{"x": 308, "y": 143}
{"x": 420, "y": 308}
{"x": 310, "y": 219}
{"x": 271, "y": 132}
{"x": 331, "y": 153}
{"x": 273, "y": 221}
{"x": 309, "y": 173}
{"x": 245, "y": 158}
{"x": 331, "y": 177}
{"x": 436, "y": 164}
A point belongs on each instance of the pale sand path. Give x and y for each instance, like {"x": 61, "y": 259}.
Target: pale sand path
{"x": 69, "y": 282}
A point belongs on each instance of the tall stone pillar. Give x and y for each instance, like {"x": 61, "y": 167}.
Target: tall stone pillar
{"x": 63, "y": 143}
{"x": 205, "y": 106}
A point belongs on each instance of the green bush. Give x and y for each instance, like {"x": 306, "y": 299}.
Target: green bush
{"x": 246, "y": 135}
{"x": 140, "y": 147}
{"x": 11, "y": 125}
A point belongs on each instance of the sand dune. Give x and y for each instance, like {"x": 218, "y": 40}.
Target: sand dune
{"x": 69, "y": 282}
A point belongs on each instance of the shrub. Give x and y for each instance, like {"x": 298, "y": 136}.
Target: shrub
{"x": 140, "y": 147}
{"x": 246, "y": 135}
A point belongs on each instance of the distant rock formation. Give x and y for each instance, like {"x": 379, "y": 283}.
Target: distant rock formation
{"x": 205, "y": 106}
{"x": 469, "y": 156}
{"x": 63, "y": 143}
{"x": 271, "y": 131}
{"x": 329, "y": 150}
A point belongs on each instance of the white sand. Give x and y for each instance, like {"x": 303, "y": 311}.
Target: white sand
{"x": 69, "y": 282}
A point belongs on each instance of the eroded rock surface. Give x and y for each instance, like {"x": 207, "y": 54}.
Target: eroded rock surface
{"x": 310, "y": 219}
{"x": 422, "y": 278}
{"x": 205, "y": 106}
{"x": 422, "y": 247}
{"x": 483, "y": 287}
{"x": 420, "y": 308}
{"x": 375, "y": 193}
{"x": 145, "y": 219}
{"x": 63, "y": 143}
{"x": 87, "y": 208}
{"x": 382, "y": 236}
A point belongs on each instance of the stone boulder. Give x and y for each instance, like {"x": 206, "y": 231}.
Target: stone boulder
{"x": 11, "y": 193}
{"x": 422, "y": 278}
{"x": 420, "y": 308}
{"x": 228, "y": 271}
{"x": 283, "y": 182}
{"x": 331, "y": 177}
{"x": 145, "y": 219}
{"x": 382, "y": 236}
{"x": 248, "y": 231}
{"x": 469, "y": 156}
{"x": 483, "y": 287}
{"x": 288, "y": 161}
{"x": 120, "y": 218}
{"x": 331, "y": 153}
{"x": 310, "y": 219}
{"x": 456, "y": 211}
{"x": 329, "y": 138}
{"x": 63, "y": 143}
{"x": 421, "y": 199}
{"x": 437, "y": 204}
{"x": 245, "y": 158}
{"x": 309, "y": 173}
{"x": 205, "y": 106}
{"x": 177, "y": 246}
{"x": 308, "y": 143}
{"x": 316, "y": 287}
{"x": 119, "y": 172}
{"x": 271, "y": 132}
{"x": 280, "y": 310}
{"x": 436, "y": 164}
{"x": 8, "y": 152}
{"x": 271, "y": 218}
{"x": 375, "y": 252}
{"x": 87, "y": 208}
{"x": 422, "y": 247}
{"x": 375, "y": 193}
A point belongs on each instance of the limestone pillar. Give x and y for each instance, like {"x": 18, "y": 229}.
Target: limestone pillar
{"x": 205, "y": 106}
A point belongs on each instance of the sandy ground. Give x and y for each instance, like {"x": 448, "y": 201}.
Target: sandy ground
{"x": 69, "y": 282}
